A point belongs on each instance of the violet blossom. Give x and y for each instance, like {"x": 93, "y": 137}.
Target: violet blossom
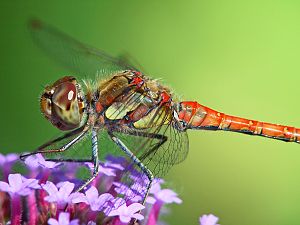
{"x": 126, "y": 213}
{"x": 48, "y": 192}
{"x": 17, "y": 185}
{"x": 6, "y": 162}
{"x": 208, "y": 220}
{"x": 37, "y": 160}
{"x": 60, "y": 193}
{"x": 97, "y": 202}
{"x": 63, "y": 219}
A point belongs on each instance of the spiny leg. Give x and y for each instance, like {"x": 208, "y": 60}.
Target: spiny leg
{"x": 95, "y": 160}
{"x": 71, "y": 160}
{"x": 136, "y": 161}
{"x": 41, "y": 149}
{"x": 162, "y": 139}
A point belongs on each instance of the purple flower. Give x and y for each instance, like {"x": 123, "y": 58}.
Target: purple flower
{"x": 126, "y": 213}
{"x": 93, "y": 199}
{"x": 103, "y": 169}
{"x": 115, "y": 159}
{"x": 62, "y": 195}
{"x": 49, "y": 200}
{"x": 7, "y": 159}
{"x": 31, "y": 183}
{"x": 37, "y": 160}
{"x": 91, "y": 223}
{"x": 208, "y": 220}
{"x": 63, "y": 219}
{"x": 166, "y": 196}
{"x": 6, "y": 162}
{"x": 18, "y": 185}
{"x": 128, "y": 192}
{"x": 113, "y": 165}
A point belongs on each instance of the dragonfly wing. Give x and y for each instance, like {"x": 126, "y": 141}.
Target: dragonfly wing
{"x": 82, "y": 59}
{"x": 158, "y": 148}
{"x": 80, "y": 150}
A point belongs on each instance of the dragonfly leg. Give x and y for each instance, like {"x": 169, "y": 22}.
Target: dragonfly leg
{"x": 160, "y": 137}
{"x": 135, "y": 161}
{"x": 70, "y": 160}
{"x": 80, "y": 132}
{"x": 95, "y": 160}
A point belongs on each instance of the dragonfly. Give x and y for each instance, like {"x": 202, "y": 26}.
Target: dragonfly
{"x": 141, "y": 117}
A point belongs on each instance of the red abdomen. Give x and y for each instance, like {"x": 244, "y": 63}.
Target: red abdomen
{"x": 197, "y": 116}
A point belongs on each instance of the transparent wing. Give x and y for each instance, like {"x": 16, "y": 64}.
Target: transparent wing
{"x": 159, "y": 147}
{"x": 80, "y": 150}
{"x": 82, "y": 59}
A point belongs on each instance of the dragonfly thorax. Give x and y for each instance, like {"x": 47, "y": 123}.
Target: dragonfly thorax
{"x": 62, "y": 103}
{"x": 131, "y": 98}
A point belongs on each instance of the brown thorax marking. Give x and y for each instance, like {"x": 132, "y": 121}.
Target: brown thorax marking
{"x": 113, "y": 96}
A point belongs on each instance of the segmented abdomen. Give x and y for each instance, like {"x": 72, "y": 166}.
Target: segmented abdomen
{"x": 197, "y": 116}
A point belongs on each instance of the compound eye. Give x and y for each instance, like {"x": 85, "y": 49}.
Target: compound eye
{"x": 46, "y": 105}
{"x": 64, "y": 95}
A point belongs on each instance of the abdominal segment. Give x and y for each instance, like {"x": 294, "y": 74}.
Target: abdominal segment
{"x": 197, "y": 116}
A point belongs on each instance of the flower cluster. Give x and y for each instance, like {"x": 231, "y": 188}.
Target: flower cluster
{"x": 47, "y": 195}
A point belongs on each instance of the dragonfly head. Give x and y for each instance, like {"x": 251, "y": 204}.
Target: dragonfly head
{"x": 62, "y": 103}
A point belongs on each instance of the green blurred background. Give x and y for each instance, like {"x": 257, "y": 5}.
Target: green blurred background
{"x": 239, "y": 57}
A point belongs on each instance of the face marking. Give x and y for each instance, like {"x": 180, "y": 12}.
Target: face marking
{"x": 70, "y": 95}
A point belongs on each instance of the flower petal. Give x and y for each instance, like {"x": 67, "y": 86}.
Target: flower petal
{"x": 135, "y": 207}
{"x": 66, "y": 189}
{"x": 125, "y": 218}
{"x": 208, "y": 219}
{"x": 11, "y": 157}
{"x": 114, "y": 213}
{"x": 92, "y": 194}
{"x": 32, "y": 161}
{"x": 50, "y": 188}
{"x": 78, "y": 198}
{"x": 31, "y": 183}
{"x": 138, "y": 216}
{"x": 150, "y": 200}
{"x": 52, "y": 221}
{"x": 4, "y": 186}
{"x": 2, "y": 159}
{"x": 91, "y": 223}
{"x": 15, "y": 182}
{"x": 74, "y": 222}
{"x": 51, "y": 198}
{"x": 107, "y": 171}
{"x": 64, "y": 218}
{"x": 105, "y": 197}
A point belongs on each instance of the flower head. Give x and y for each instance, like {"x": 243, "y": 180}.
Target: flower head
{"x": 116, "y": 198}
{"x": 166, "y": 196}
{"x": 37, "y": 160}
{"x": 63, "y": 219}
{"x": 126, "y": 213}
{"x": 8, "y": 159}
{"x": 18, "y": 185}
{"x": 208, "y": 220}
{"x": 97, "y": 202}
{"x": 59, "y": 195}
